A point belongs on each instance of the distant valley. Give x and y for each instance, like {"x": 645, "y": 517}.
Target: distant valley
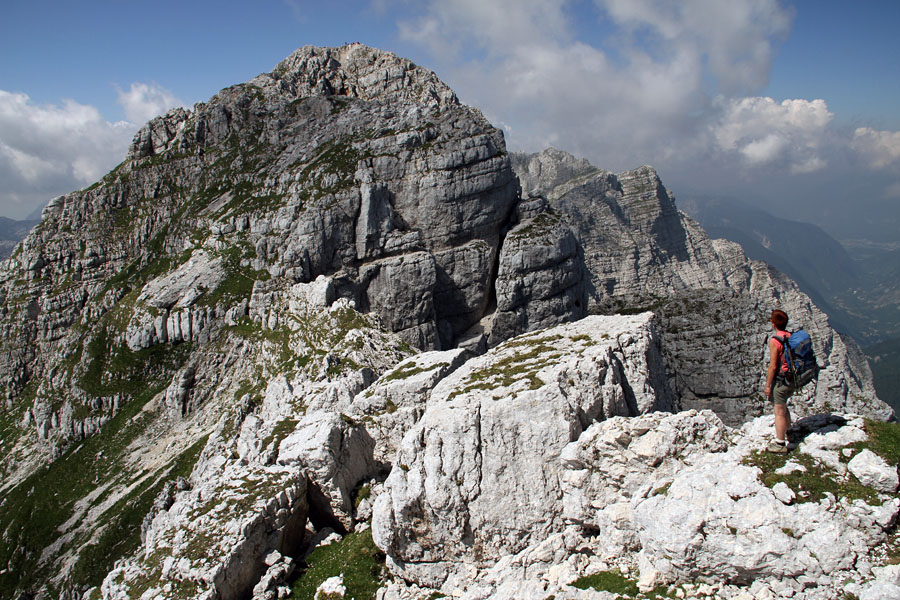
{"x": 856, "y": 282}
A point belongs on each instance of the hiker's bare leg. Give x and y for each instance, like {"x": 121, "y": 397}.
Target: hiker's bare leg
{"x": 782, "y": 420}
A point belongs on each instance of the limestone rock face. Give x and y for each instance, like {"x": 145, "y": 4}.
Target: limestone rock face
{"x": 735, "y": 526}
{"x": 669, "y": 499}
{"x": 612, "y": 462}
{"x": 270, "y": 325}
{"x": 394, "y": 404}
{"x": 346, "y": 162}
{"x": 541, "y": 278}
{"x": 478, "y": 476}
{"x": 713, "y": 303}
{"x": 276, "y": 461}
{"x": 215, "y": 543}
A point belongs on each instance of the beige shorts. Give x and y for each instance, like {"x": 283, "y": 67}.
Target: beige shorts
{"x": 781, "y": 393}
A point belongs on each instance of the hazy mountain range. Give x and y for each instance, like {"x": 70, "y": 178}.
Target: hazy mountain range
{"x": 12, "y": 232}
{"x": 856, "y": 282}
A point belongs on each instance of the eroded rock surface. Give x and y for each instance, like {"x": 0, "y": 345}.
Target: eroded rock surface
{"x": 714, "y": 304}
{"x": 669, "y": 500}
{"x": 479, "y": 475}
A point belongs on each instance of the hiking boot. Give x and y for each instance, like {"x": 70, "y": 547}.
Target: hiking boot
{"x": 776, "y": 448}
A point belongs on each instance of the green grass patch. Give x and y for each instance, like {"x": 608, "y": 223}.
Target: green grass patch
{"x": 884, "y": 440}
{"x": 363, "y": 493}
{"x": 279, "y": 340}
{"x": 616, "y": 583}
{"x": 662, "y": 490}
{"x": 408, "y": 371}
{"x": 539, "y": 225}
{"x": 237, "y": 285}
{"x": 36, "y": 508}
{"x": 116, "y": 369}
{"x": 892, "y": 548}
{"x": 247, "y": 198}
{"x": 521, "y": 366}
{"x": 608, "y": 581}
{"x": 812, "y": 484}
{"x": 355, "y": 557}
{"x": 122, "y": 534}
{"x": 283, "y": 429}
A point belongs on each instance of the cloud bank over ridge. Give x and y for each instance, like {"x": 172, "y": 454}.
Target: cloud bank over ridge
{"x": 683, "y": 86}
{"x": 630, "y": 82}
{"x": 50, "y": 149}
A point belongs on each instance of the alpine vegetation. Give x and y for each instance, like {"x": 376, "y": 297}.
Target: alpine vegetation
{"x": 323, "y": 336}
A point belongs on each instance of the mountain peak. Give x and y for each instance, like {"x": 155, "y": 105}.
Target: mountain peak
{"x": 357, "y": 71}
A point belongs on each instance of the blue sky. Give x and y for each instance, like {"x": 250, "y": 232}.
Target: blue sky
{"x": 792, "y": 105}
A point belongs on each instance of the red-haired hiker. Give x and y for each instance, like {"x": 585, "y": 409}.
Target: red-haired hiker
{"x": 776, "y": 390}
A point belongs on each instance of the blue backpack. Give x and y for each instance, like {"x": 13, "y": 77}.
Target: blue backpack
{"x": 800, "y": 358}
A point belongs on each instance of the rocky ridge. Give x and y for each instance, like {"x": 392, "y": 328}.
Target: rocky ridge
{"x": 640, "y": 252}
{"x": 288, "y": 293}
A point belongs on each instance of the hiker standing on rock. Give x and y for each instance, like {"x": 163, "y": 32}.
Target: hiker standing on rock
{"x": 776, "y": 388}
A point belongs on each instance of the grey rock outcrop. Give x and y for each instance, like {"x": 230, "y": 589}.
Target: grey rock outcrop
{"x": 478, "y": 475}
{"x": 219, "y": 351}
{"x": 670, "y": 500}
{"x": 394, "y": 404}
{"x": 713, "y": 303}
{"x": 277, "y": 460}
{"x": 541, "y": 280}
{"x": 348, "y": 162}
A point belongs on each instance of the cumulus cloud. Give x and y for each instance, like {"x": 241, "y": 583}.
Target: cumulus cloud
{"x": 763, "y": 131}
{"x": 50, "y": 149}
{"x": 892, "y": 191}
{"x": 737, "y": 39}
{"x": 47, "y": 150}
{"x": 881, "y": 149}
{"x": 143, "y": 101}
{"x": 642, "y": 96}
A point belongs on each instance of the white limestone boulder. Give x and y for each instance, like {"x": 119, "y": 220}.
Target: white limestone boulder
{"x": 479, "y": 476}
{"x": 621, "y": 458}
{"x": 396, "y": 401}
{"x": 874, "y": 471}
{"x": 335, "y": 453}
{"x": 214, "y": 538}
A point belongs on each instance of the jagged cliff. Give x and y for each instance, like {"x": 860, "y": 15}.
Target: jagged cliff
{"x": 330, "y": 274}
{"x": 642, "y": 253}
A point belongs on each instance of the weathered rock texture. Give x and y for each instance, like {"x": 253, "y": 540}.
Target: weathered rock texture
{"x": 541, "y": 280}
{"x": 288, "y": 292}
{"x": 714, "y": 304}
{"x": 670, "y": 499}
{"x": 478, "y": 476}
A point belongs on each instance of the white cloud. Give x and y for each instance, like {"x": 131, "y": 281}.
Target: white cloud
{"x": 47, "y": 150}
{"x": 763, "y": 132}
{"x": 494, "y": 26}
{"x": 144, "y": 101}
{"x": 738, "y": 38}
{"x": 642, "y": 96}
{"x": 764, "y": 150}
{"x": 810, "y": 165}
{"x": 880, "y": 149}
{"x": 892, "y": 191}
